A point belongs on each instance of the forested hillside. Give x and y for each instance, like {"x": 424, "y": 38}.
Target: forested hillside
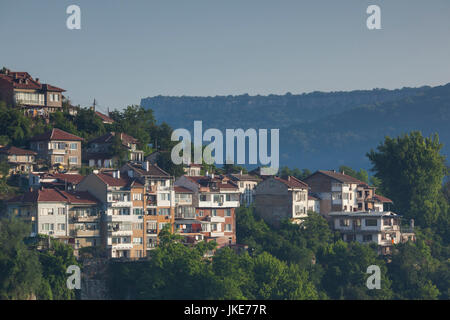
{"x": 318, "y": 130}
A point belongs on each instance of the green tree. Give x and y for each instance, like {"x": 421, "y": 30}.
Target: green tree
{"x": 411, "y": 170}
{"x": 21, "y": 275}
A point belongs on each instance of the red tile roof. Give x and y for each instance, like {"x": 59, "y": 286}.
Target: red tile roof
{"x": 293, "y": 182}
{"x": 108, "y": 138}
{"x": 104, "y": 117}
{"x": 70, "y": 178}
{"x": 179, "y": 189}
{"x": 56, "y": 134}
{"x": 205, "y": 181}
{"x": 23, "y": 80}
{"x": 344, "y": 178}
{"x": 17, "y": 151}
{"x": 123, "y": 181}
{"x": 153, "y": 170}
{"x": 382, "y": 199}
{"x": 55, "y": 195}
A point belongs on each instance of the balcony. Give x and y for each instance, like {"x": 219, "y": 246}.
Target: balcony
{"x": 122, "y": 246}
{"x": 85, "y": 218}
{"x": 57, "y": 151}
{"x": 217, "y": 234}
{"x": 215, "y": 219}
{"x": 87, "y": 233}
{"x": 120, "y": 232}
{"x": 120, "y": 204}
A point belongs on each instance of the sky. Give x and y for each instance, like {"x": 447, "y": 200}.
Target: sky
{"x": 128, "y": 50}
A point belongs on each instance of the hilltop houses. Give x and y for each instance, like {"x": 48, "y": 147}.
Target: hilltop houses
{"x": 57, "y": 147}
{"x": 99, "y": 152}
{"x": 19, "y": 160}
{"x": 35, "y": 98}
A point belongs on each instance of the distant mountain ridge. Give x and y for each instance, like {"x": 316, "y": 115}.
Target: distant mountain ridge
{"x": 318, "y": 130}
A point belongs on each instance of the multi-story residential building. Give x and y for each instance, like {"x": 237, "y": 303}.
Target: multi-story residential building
{"x": 277, "y": 199}
{"x": 246, "y": 184}
{"x": 123, "y": 205}
{"x": 57, "y": 147}
{"x": 99, "y": 154}
{"x": 340, "y": 192}
{"x": 186, "y": 222}
{"x": 72, "y": 217}
{"x": 159, "y": 198}
{"x": 36, "y": 98}
{"x": 19, "y": 160}
{"x": 382, "y": 228}
{"x": 215, "y": 199}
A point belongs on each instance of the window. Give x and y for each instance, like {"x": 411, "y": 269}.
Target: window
{"x": 61, "y": 211}
{"x": 137, "y": 240}
{"x": 203, "y": 197}
{"x": 59, "y": 159}
{"x": 137, "y": 196}
{"x": 138, "y": 211}
{"x": 200, "y": 213}
{"x": 228, "y": 227}
{"x": 214, "y": 213}
{"x": 73, "y": 160}
{"x": 227, "y": 212}
{"x": 138, "y": 226}
{"x": 367, "y": 237}
{"x": 371, "y": 222}
{"x": 73, "y": 146}
{"x": 164, "y": 212}
{"x": 61, "y": 227}
{"x": 344, "y": 222}
{"x": 218, "y": 198}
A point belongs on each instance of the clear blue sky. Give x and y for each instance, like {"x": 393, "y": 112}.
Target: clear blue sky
{"x": 127, "y": 50}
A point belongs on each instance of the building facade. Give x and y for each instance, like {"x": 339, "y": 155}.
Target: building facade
{"x": 57, "y": 147}
{"x": 19, "y": 160}
{"x": 36, "y": 98}
{"x": 215, "y": 199}
{"x": 277, "y": 199}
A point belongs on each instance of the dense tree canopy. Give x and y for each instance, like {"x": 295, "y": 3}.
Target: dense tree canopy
{"x": 411, "y": 170}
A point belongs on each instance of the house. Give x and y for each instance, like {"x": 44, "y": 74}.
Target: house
{"x": 72, "y": 217}
{"x": 99, "y": 151}
{"x": 277, "y": 199}
{"x": 215, "y": 199}
{"x": 62, "y": 181}
{"x": 105, "y": 119}
{"x": 57, "y": 147}
{"x": 247, "y": 184}
{"x": 340, "y": 192}
{"x": 123, "y": 204}
{"x": 159, "y": 198}
{"x": 19, "y": 160}
{"x": 22, "y": 90}
{"x": 193, "y": 170}
{"x": 381, "y": 228}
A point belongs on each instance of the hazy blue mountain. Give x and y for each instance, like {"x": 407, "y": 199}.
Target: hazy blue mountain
{"x": 318, "y": 130}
